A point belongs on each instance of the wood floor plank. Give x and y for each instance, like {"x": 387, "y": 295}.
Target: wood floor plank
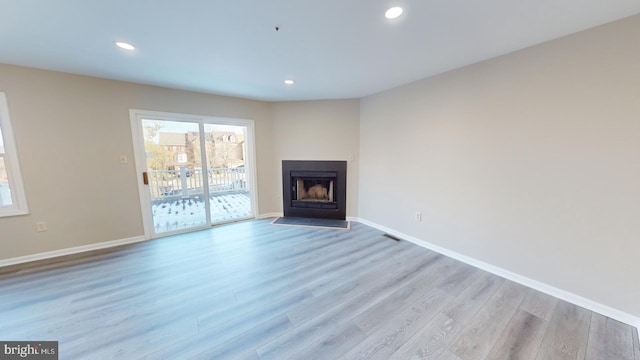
{"x": 320, "y": 325}
{"x": 520, "y": 338}
{"x": 333, "y": 345}
{"x": 248, "y": 289}
{"x": 466, "y": 305}
{"x": 274, "y": 268}
{"x": 313, "y": 328}
{"x": 314, "y": 271}
{"x": 324, "y": 303}
{"x": 394, "y": 333}
{"x": 477, "y": 339}
{"x": 384, "y": 312}
{"x": 567, "y": 333}
{"x": 127, "y": 339}
{"x": 609, "y": 339}
{"x": 539, "y": 304}
{"x": 229, "y": 324}
{"x": 240, "y": 347}
{"x": 457, "y": 282}
{"x": 383, "y": 278}
{"x": 372, "y": 260}
{"x": 431, "y": 342}
{"x": 355, "y": 269}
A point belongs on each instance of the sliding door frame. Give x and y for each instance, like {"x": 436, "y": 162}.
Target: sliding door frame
{"x": 137, "y": 133}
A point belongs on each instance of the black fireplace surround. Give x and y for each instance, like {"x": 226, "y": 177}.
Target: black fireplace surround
{"x": 314, "y": 189}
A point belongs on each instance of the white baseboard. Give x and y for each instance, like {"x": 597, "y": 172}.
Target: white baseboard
{"x": 70, "y": 251}
{"x": 545, "y": 288}
{"x": 523, "y": 280}
{"x": 269, "y": 215}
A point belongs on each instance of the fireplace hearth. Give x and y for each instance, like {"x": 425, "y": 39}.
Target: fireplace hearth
{"x": 314, "y": 189}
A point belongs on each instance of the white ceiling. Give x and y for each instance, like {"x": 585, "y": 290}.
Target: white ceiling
{"x": 331, "y": 48}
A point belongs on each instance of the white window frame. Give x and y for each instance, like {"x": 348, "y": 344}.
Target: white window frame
{"x": 12, "y": 165}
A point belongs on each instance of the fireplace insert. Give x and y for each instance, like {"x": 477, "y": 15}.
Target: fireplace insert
{"x": 315, "y": 189}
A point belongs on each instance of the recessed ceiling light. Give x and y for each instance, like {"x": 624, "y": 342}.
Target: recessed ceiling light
{"x": 124, "y": 45}
{"x": 393, "y": 12}
{"x": 289, "y": 82}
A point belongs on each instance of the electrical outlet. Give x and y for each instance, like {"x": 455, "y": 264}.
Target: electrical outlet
{"x": 418, "y": 216}
{"x": 124, "y": 160}
{"x": 41, "y": 226}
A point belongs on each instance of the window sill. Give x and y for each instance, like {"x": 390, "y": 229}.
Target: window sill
{"x": 13, "y": 212}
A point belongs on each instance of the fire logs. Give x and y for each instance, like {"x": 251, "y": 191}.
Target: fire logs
{"x": 318, "y": 192}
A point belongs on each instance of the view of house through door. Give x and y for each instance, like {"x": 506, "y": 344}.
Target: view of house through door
{"x": 194, "y": 173}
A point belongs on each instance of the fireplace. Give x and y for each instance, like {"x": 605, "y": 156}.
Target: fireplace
{"x": 314, "y": 189}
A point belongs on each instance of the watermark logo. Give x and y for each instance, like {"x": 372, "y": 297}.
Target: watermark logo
{"x": 34, "y": 350}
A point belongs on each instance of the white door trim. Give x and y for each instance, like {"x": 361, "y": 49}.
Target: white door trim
{"x": 137, "y": 133}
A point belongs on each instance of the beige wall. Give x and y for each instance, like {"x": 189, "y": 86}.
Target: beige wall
{"x": 72, "y": 129}
{"x": 70, "y": 132}
{"x": 529, "y": 162}
{"x": 318, "y": 130}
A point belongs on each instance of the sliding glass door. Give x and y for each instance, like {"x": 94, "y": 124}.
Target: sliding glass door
{"x": 226, "y": 152}
{"x": 194, "y": 172}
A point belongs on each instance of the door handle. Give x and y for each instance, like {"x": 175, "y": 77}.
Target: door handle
{"x": 145, "y": 178}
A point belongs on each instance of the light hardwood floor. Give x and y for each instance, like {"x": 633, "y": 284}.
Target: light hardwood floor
{"x": 257, "y": 291}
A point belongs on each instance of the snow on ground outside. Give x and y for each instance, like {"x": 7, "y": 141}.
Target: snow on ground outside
{"x": 174, "y": 214}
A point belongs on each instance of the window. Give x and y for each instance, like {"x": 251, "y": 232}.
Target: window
{"x": 12, "y": 198}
